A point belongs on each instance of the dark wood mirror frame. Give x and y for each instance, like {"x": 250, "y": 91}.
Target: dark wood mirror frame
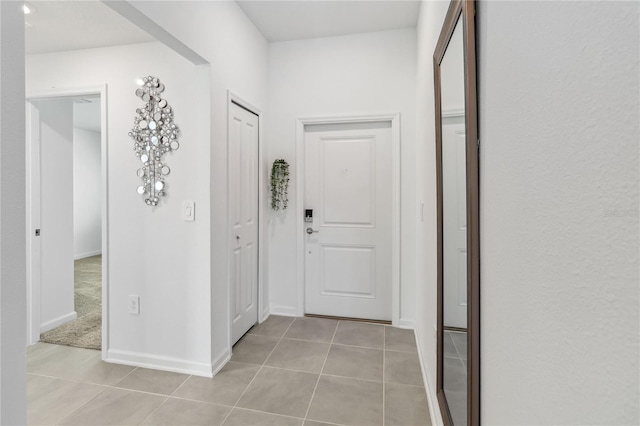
{"x": 465, "y": 11}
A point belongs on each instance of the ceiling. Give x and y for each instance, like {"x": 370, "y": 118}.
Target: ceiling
{"x": 300, "y": 19}
{"x": 71, "y": 25}
{"x": 62, "y": 25}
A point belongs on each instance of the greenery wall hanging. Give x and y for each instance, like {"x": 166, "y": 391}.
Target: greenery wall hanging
{"x": 279, "y": 185}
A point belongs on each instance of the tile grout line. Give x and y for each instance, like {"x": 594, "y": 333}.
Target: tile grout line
{"x": 263, "y": 412}
{"x": 165, "y": 400}
{"x": 83, "y": 405}
{"x": 257, "y": 372}
{"x": 125, "y": 376}
{"x": 154, "y": 410}
{"x": 181, "y": 385}
{"x": 320, "y": 375}
{"x": 105, "y": 388}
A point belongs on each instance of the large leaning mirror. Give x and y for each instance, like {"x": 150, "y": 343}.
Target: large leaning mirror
{"x": 457, "y": 145}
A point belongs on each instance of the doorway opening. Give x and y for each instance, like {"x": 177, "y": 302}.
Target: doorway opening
{"x": 66, "y": 207}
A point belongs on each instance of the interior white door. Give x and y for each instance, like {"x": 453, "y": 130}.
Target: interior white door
{"x": 56, "y": 210}
{"x": 243, "y": 214}
{"x": 454, "y": 224}
{"x": 348, "y": 184}
{"x": 34, "y": 245}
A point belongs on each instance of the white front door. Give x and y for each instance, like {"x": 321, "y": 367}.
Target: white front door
{"x": 454, "y": 223}
{"x": 243, "y": 216}
{"x": 348, "y": 185}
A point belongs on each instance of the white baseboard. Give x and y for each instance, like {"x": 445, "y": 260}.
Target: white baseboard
{"x": 432, "y": 398}
{"x": 285, "y": 311}
{"x": 265, "y": 315}
{"x": 220, "y": 362}
{"x": 157, "y": 362}
{"x": 57, "y": 322}
{"x": 405, "y": 323}
{"x": 88, "y": 254}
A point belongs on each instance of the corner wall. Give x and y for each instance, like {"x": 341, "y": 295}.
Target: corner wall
{"x": 559, "y": 185}
{"x": 13, "y": 406}
{"x": 371, "y": 73}
{"x": 221, "y": 33}
{"x": 152, "y": 252}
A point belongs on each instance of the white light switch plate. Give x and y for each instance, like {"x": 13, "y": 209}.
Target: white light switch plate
{"x": 189, "y": 211}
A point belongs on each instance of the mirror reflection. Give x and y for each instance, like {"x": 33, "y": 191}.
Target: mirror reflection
{"x": 454, "y": 228}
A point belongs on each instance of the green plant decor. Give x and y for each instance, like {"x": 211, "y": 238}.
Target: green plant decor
{"x": 279, "y": 185}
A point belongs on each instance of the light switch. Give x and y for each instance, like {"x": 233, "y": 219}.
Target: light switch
{"x": 189, "y": 211}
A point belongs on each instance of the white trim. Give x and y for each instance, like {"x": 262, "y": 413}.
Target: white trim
{"x": 262, "y": 225}
{"x": 405, "y": 323}
{"x": 34, "y": 290}
{"x": 57, "y": 322}
{"x": 220, "y": 362}
{"x": 285, "y": 311}
{"x": 87, "y": 254}
{"x": 394, "y": 118}
{"x": 432, "y": 399}
{"x": 157, "y": 362}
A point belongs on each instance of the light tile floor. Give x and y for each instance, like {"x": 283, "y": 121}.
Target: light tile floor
{"x": 285, "y": 371}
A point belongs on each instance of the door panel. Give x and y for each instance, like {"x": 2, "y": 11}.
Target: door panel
{"x": 348, "y": 185}
{"x": 348, "y": 271}
{"x": 243, "y": 208}
{"x": 348, "y": 171}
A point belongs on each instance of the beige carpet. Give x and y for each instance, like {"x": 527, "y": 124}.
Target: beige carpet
{"x": 86, "y": 330}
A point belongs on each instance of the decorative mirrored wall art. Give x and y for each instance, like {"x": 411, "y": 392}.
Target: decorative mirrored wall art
{"x": 154, "y": 134}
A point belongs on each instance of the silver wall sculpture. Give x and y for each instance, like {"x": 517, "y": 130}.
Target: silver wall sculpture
{"x": 154, "y": 134}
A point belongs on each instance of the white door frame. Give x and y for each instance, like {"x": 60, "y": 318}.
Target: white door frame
{"x": 394, "y": 118}
{"x": 263, "y": 311}
{"x": 33, "y": 288}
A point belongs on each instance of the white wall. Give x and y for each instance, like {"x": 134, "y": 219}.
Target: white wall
{"x": 559, "y": 221}
{"x": 221, "y": 33}
{"x": 56, "y": 210}
{"x": 348, "y": 75}
{"x": 152, "y": 252}
{"x": 87, "y": 171}
{"x": 13, "y": 407}
{"x": 430, "y": 21}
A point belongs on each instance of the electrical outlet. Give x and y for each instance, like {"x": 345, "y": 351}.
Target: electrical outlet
{"x": 134, "y": 304}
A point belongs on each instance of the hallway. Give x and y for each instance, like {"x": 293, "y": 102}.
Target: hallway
{"x": 286, "y": 371}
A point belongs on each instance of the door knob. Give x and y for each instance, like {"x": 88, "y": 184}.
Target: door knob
{"x": 311, "y": 231}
